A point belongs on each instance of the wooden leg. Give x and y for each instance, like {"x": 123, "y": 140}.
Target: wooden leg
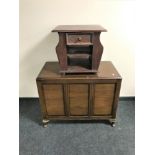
{"x": 45, "y": 122}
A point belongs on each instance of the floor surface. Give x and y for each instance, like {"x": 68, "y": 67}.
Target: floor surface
{"x": 76, "y": 138}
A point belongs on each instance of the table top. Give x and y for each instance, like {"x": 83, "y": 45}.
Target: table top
{"x": 79, "y": 28}
{"x": 51, "y": 71}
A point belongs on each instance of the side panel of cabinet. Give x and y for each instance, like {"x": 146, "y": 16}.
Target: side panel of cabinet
{"x": 103, "y": 99}
{"x": 53, "y": 95}
{"x": 78, "y": 99}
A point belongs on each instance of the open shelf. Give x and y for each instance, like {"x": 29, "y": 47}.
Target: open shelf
{"x": 79, "y": 49}
{"x": 78, "y": 56}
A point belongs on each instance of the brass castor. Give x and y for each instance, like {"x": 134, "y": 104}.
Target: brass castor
{"x": 45, "y": 125}
{"x": 45, "y": 122}
{"x": 113, "y": 124}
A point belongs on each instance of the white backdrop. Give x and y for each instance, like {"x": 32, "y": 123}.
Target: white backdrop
{"x": 37, "y": 43}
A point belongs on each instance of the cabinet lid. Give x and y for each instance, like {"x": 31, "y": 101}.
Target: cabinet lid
{"x": 50, "y": 71}
{"x": 79, "y": 28}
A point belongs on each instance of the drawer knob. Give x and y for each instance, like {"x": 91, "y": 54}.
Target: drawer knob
{"x": 79, "y": 38}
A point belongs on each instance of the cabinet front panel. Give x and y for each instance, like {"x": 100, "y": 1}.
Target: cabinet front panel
{"x": 53, "y": 94}
{"x": 103, "y": 99}
{"x": 78, "y": 99}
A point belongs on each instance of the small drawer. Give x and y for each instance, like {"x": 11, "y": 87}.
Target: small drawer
{"x": 78, "y": 39}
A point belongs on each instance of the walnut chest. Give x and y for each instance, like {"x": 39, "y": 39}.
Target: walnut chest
{"x": 80, "y": 96}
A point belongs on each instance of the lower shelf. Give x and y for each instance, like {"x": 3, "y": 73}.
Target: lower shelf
{"x": 79, "y": 56}
{"x": 79, "y": 63}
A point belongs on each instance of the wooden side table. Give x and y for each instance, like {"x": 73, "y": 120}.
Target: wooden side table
{"x": 79, "y": 49}
{"x": 79, "y": 97}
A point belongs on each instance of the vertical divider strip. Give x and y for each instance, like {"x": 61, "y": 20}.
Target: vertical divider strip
{"x": 91, "y": 99}
{"x": 66, "y": 99}
{"x": 116, "y": 97}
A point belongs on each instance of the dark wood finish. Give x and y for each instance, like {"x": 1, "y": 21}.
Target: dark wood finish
{"x": 61, "y": 51}
{"x": 79, "y": 28}
{"x": 81, "y": 96}
{"x": 50, "y": 71}
{"x": 97, "y": 51}
{"x": 79, "y": 40}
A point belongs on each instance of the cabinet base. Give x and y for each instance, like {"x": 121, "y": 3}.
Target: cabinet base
{"x": 46, "y": 121}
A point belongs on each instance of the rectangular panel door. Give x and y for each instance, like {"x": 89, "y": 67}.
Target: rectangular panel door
{"x": 78, "y": 99}
{"x": 53, "y": 94}
{"x": 103, "y": 99}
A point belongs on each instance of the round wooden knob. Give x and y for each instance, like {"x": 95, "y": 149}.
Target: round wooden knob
{"x": 79, "y": 38}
